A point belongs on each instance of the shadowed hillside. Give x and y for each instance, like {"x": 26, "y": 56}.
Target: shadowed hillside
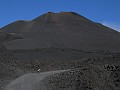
{"x": 62, "y": 30}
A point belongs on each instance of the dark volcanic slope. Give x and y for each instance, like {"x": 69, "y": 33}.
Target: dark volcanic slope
{"x": 4, "y": 37}
{"x": 62, "y": 30}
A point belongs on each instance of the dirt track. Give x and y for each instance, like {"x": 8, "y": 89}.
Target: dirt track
{"x": 30, "y": 81}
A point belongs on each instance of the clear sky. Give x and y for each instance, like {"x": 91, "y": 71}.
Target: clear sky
{"x": 106, "y": 12}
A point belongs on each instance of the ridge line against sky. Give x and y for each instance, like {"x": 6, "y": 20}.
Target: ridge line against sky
{"x": 112, "y": 25}
{"x": 102, "y": 11}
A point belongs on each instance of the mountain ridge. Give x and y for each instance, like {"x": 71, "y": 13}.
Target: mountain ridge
{"x": 62, "y": 30}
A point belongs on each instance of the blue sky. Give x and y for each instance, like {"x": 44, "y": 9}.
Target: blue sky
{"x": 103, "y": 11}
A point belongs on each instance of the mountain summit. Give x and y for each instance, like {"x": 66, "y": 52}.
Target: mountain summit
{"x": 62, "y": 30}
{"x": 60, "y": 17}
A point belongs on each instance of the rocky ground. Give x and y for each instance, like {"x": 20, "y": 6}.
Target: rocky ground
{"x": 101, "y": 67}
